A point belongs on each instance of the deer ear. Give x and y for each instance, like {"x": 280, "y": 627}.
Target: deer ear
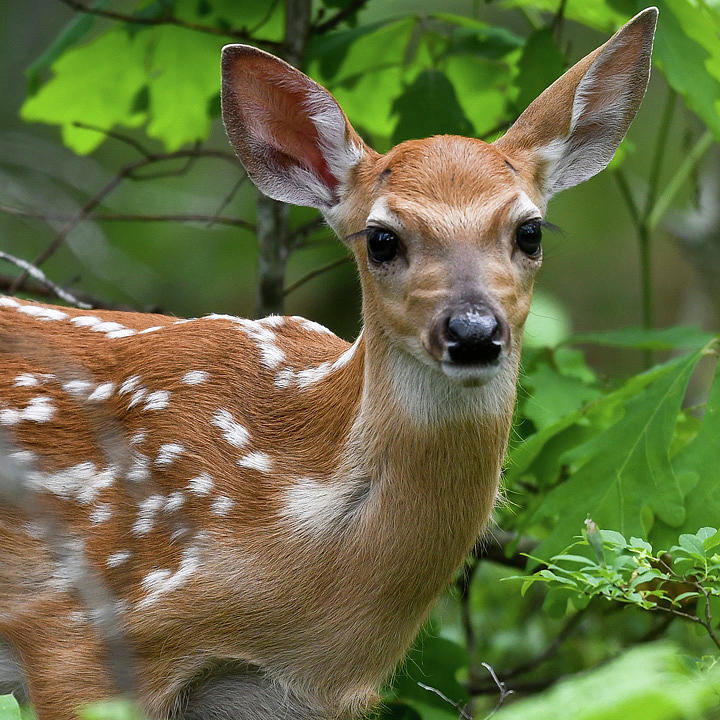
{"x": 289, "y": 132}
{"x": 572, "y": 130}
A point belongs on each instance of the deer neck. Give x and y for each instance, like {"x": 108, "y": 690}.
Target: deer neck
{"x": 429, "y": 452}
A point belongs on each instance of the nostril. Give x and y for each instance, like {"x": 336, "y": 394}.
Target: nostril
{"x": 473, "y": 337}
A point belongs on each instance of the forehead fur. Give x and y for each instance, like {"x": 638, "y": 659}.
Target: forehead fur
{"x": 445, "y": 169}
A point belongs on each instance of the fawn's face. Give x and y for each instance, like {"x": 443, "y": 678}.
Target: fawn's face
{"x": 445, "y": 231}
{"x": 447, "y": 241}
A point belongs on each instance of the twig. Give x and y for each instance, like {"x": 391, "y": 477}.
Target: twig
{"x": 134, "y": 217}
{"x": 659, "y": 155}
{"x": 226, "y": 200}
{"x": 126, "y": 171}
{"x": 115, "y": 135}
{"x": 237, "y": 34}
{"x": 31, "y": 287}
{"x": 314, "y": 273}
{"x": 444, "y": 697}
{"x": 40, "y": 276}
{"x": 298, "y": 237}
{"x": 335, "y": 20}
{"x": 504, "y": 692}
{"x": 557, "y": 22}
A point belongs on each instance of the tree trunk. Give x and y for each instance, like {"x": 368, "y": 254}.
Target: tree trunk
{"x": 272, "y": 216}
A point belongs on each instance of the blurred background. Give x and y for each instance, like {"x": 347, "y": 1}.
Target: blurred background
{"x": 591, "y": 279}
{"x": 117, "y": 179}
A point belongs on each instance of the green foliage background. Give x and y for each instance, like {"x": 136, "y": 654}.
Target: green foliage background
{"x": 620, "y": 426}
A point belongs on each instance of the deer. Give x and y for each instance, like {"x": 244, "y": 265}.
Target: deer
{"x": 292, "y": 504}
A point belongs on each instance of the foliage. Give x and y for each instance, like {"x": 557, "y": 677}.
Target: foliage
{"x": 623, "y": 450}
{"x": 671, "y": 581}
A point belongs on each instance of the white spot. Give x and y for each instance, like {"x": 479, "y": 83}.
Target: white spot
{"x": 42, "y": 313}
{"x": 157, "y": 400}
{"x": 107, "y": 327}
{"x": 38, "y": 410}
{"x": 129, "y": 385}
{"x": 126, "y": 332}
{"x": 167, "y": 453}
{"x": 175, "y": 501}
{"x": 221, "y": 505}
{"x": 23, "y": 457}
{"x": 118, "y": 558}
{"x": 77, "y": 388}
{"x": 163, "y": 581}
{"x": 27, "y": 380}
{"x": 85, "y": 320}
{"x": 9, "y": 416}
{"x": 195, "y": 377}
{"x": 348, "y": 355}
{"x": 232, "y": 430}
{"x": 256, "y": 461}
{"x": 102, "y": 392}
{"x": 138, "y": 437}
{"x": 101, "y": 513}
{"x": 272, "y": 320}
{"x": 137, "y": 396}
{"x": 150, "y": 330}
{"x": 155, "y": 579}
{"x": 82, "y": 481}
{"x": 9, "y": 302}
{"x": 312, "y": 506}
{"x": 312, "y": 375}
{"x": 284, "y": 378}
{"x": 201, "y": 484}
{"x": 312, "y": 325}
{"x": 147, "y": 510}
{"x": 270, "y": 354}
{"x": 139, "y": 469}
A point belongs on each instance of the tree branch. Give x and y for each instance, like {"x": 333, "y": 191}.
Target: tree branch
{"x": 127, "y": 170}
{"x": 134, "y": 217}
{"x": 335, "y": 20}
{"x": 237, "y": 34}
{"x": 41, "y": 278}
{"x": 314, "y": 273}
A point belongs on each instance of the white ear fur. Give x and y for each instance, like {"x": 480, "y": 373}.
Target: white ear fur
{"x": 288, "y": 131}
{"x": 575, "y": 126}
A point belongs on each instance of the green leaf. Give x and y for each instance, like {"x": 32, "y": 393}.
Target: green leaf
{"x": 699, "y": 461}
{"x": 9, "y": 708}
{"x": 688, "y": 52}
{"x": 481, "y": 87}
{"x": 184, "y": 71}
{"x": 429, "y": 106}
{"x": 477, "y": 38}
{"x": 540, "y": 65}
{"x": 82, "y": 90}
{"x": 645, "y": 683}
{"x": 554, "y": 396}
{"x": 72, "y": 33}
{"x": 672, "y": 338}
{"x": 111, "y": 710}
{"x": 624, "y": 467}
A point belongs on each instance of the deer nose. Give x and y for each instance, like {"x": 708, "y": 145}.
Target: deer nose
{"x": 474, "y": 336}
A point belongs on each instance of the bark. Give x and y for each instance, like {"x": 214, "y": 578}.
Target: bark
{"x": 272, "y": 216}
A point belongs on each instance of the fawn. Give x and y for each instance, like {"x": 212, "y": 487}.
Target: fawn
{"x": 291, "y": 505}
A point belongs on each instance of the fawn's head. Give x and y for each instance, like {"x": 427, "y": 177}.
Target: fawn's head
{"x": 445, "y": 231}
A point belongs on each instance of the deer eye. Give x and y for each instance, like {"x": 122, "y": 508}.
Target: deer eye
{"x": 528, "y": 237}
{"x": 382, "y": 244}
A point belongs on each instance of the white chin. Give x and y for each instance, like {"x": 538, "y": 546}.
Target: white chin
{"x": 472, "y": 375}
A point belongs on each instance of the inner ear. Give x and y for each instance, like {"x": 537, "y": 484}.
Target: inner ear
{"x": 288, "y": 131}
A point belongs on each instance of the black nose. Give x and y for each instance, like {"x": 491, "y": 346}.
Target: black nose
{"x": 473, "y": 336}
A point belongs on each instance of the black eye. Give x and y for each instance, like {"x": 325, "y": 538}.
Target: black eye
{"x": 528, "y": 237}
{"x": 382, "y": 244}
